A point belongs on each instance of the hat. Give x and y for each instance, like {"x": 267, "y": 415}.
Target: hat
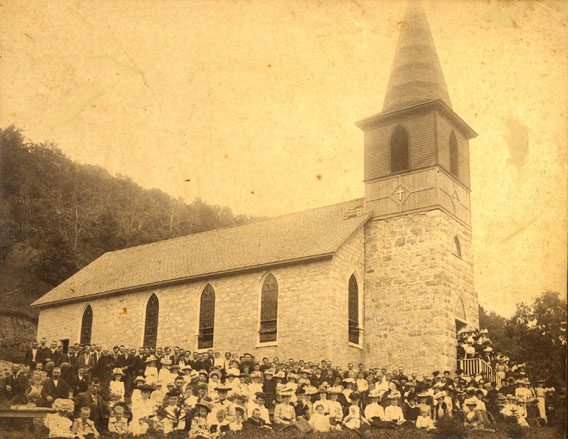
{"x": 394, "y": 395}
{"x": 215, "y": 372}
{"x": 439, "y": 395}
{"x": 319, "y": 404}
{"x": 286, "y": 392}
{"x": 470, "y": 401}
{"x": 151, "y": 358}
{"x": 194, "y": 374}
{"x": 310, "y": 390}
{"x": 334, "y": 390}
{"x": 279, "y": 374}
{"x": 186, "y": 367}
{"x": 349, "y": 380}
{"x": 300, "y": 391}
{"x": 256, "y": 374}
{"x": 261, "y": 395}
{"x": 65, "y": 405}
{"x": 233, "y": 373}
{"x": 117, "y": 371}
{"x": 239, "y": 409}
{"x": 146, "y": 388}
{"x": 204, "y": 404}
{"x": 172, "y": 392}
{"x": 373, "y": 393}
{"x": 223, "y": 388}
{"x": 423, "y": 395}
{"x": 269, "y": 372}
{"x": 139, "y": 379}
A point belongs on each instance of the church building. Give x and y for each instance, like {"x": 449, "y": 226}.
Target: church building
{"x": 385, "y": 280}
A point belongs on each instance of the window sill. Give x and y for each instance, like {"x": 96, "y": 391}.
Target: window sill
{"x": 267, "y": 344}
{"x": 357, "y": 346}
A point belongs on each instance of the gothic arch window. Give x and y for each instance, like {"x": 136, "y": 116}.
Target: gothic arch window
{"x": 206, "y": 318}
{"x": 457, "y": 247}
{"x": 151, "y": 322}
{"x": 86, "y": 325}
{"x": 460, "y": 310}
{"x": 269, "y": 310}
{"x": 353, "y": 311}
{"x": 454, "y": 155}
{"x": 399, "y": 152}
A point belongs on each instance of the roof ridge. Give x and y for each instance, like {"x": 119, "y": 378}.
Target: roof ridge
{"x": 229, "y": 227}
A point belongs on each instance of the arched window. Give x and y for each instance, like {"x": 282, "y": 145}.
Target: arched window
{"x": 457, "y": 247}
{"x": 399, "y": 150}
{"x": 151, "y": 324}
{"x": 459, "y": 310}
{"x": 353, "y": 312}
{"x": 206, "y": 318}
{"x": 87, "y": 325}
{"x": 454, "y": 157}
{"x": 269, "y": 310}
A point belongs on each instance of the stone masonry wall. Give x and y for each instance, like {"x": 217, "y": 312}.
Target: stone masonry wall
{"x": 349, "y": 259}
{"x": 306, "y": 328}
{"x": 407, "y": 292}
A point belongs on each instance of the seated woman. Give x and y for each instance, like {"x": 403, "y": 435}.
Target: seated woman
{"x": 472, "y": 416}
{"x": 424, "y": 419}
{"x": 284, "y": 413}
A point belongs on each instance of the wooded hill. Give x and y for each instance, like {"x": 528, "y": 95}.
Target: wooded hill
{"x": 56, "y": 216}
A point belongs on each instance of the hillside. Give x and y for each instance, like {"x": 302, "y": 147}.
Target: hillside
{"x": 56, "y": 216}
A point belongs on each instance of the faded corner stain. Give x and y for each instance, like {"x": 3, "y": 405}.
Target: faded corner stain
{"x": 319, "y": 176}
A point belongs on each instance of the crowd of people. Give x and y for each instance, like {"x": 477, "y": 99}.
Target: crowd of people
{"x": 93, "y": 390}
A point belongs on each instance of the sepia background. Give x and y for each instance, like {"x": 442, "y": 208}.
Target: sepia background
{"x": 255, "y": 101}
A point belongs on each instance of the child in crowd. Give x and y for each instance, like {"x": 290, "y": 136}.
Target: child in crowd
{"x": 83, "y": 427}
{"x": 118, "y": 423}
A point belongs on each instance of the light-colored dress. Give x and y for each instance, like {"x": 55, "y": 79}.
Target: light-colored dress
{"x": 58, "y": 426}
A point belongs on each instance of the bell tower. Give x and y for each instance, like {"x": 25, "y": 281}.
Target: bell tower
{"x": 419, "y": 266}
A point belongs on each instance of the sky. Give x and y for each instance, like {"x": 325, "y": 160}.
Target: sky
{"x": 255, "y": 103}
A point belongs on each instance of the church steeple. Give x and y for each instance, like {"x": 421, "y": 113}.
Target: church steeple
{"x": 416, "y": 75}
{"x": 417, "y": 147}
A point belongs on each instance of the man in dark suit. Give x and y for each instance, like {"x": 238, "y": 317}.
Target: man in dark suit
{"x": 81, "y": 380}
{"x": 92, "y": 398}
{"x": 86, "y": 360}
{"x": 15, "y": 386}
{"x": 53, "y": 388}
{"x": 32, "y": 355}
{"x": 43, "y": 351}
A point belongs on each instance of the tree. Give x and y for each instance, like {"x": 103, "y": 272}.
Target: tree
{"x": 539, "y": 330}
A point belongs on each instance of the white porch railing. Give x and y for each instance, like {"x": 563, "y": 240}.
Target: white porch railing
{"x": 477, "y": 366}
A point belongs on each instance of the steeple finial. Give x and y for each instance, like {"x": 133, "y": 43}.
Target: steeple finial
{"x": 416, "y": 76}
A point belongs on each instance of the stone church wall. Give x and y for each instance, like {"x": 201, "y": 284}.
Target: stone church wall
{"x": 409, "y": 295}
{"x": 307, "y": 328}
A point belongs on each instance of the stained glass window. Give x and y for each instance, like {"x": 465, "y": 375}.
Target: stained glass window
{"x": 151, "y": 323}
{"x": 269, "y": 310}
{"x": 399, "y": 150}
{"x": 206, "y": 318}
{"x": 87, "y": 325}
{"x": 353, "y": 310}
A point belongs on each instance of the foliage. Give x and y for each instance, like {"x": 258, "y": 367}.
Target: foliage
{"x": 540, "y": 331}
{"x": 450, "y": 429}
{"x": 56, "y": 216}
{"x": 495, "y": 324}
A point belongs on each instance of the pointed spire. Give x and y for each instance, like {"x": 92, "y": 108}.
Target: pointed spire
{"x": 416, "y": 76}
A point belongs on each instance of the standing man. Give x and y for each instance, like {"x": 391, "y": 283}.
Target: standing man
{"x": 31, "y": 358}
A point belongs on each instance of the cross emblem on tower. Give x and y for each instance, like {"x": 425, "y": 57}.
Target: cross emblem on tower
{"x": 400, "y": 193}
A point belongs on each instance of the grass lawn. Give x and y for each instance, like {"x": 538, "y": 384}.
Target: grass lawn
{"x": 504, "y": 431}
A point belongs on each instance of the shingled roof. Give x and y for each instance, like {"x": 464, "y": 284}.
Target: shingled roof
{"x": 294, "y": 237}
{"x": 416, "y": 76}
